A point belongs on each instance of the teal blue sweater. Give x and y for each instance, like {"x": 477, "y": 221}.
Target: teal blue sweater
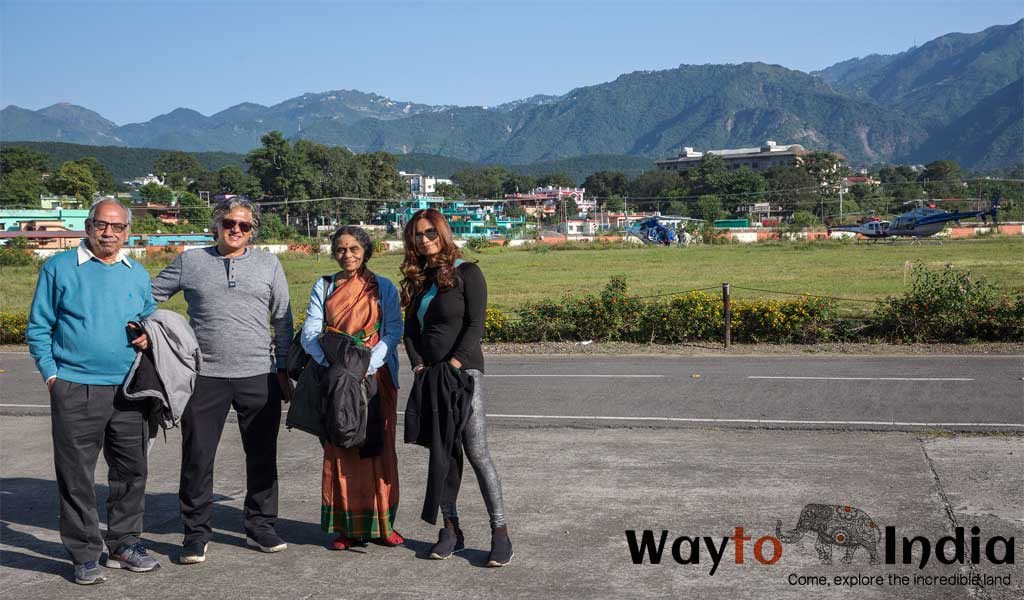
{"x": 76, "y": 327}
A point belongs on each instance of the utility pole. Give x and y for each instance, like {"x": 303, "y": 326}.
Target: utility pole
{"x": 840, "y": 203}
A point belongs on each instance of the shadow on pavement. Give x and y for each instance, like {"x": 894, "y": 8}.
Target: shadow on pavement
{"x": 32, "y": 504}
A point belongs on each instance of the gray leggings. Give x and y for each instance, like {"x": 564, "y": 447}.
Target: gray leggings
{"x": 474, "y": 442}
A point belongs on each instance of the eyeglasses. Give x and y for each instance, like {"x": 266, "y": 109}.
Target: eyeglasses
{"x": 103, "y": 225}
{"x": 430, "y": 234}
{"x": 243, "y": 226}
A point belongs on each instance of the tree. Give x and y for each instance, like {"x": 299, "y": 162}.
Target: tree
{"x": 178, "y": 168}
{"x": 711, "y": 175}
{"x": 74, "y": 179}
{"x": 194, "y": 210}
{"x": 793, "y": 187}
{"x": 449, "y": 191}
{"x": 571, "y": 209}
{"x": 604, "y": 184}
{"x": 104, "y": 179}
{"x": 482, "y": 182}
{"x": 21, "y": 187}
{"x": 556, "y": 180}
{"x": 273, "y": 228}
{"x": 803, "y": 219}
{"x": 282, "y": 172}
{"x": 942, "y": 179}
{"x": 740, "y": 187}
{"x": 154, "y": 193}
{"x": 16, "y": 157}
{"x": 827, "y": 168}
{"x": 614, "y": 204}
{"x": 654, "y": 184}
{"x": 382, "y": 167}
{"x": 232, "y": 180}
{"x": 900, "y": 183}
{"x": 517, "y": 183}
{"x": 708, "y": 208}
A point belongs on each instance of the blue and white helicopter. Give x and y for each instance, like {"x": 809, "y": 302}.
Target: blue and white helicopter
{"x": 919, "y": 222}
{"x": 650, "y": 231}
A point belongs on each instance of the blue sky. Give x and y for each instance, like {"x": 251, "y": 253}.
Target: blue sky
{"x": 131, "y": 61}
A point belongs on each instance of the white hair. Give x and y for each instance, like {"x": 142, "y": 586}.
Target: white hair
{"x": 95, "y": 207}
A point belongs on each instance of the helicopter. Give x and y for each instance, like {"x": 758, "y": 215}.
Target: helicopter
{"x": 873, "y": 228}
{"x": 650, "y": 231}
{"x": 918, "y": 222}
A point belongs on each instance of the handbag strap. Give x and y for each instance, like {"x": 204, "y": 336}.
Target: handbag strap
{"x": 327, "y": 281}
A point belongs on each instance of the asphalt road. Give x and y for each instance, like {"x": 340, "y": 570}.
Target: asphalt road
{"x": 958, "y": 393}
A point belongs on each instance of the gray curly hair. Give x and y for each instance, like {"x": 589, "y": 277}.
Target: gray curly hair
{"x": 226, "y": 206}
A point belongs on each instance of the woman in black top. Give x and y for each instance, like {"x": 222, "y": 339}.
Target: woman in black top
{"x": 445, "y": 302}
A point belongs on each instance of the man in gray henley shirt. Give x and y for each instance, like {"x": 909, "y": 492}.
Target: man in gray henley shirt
{"x": 236, "y": 294}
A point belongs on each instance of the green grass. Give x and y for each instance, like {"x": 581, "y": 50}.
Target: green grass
{"x": 860, "y": 271}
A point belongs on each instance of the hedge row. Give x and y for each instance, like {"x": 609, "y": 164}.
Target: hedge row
{"x": 943, "y": 305}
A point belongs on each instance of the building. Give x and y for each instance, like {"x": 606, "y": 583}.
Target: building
{"x": 52, "y": 202}
{"x": 41, "y": 219}
{"x": 548, "y": 200}
{"x": 766, "y": 157}
{"x": 476, "y": 219}
{"x": 422, "y": 185}
{"x": 145, "y": 180}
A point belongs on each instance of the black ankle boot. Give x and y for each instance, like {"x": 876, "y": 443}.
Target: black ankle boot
{"x": 501, "y": 548}
{"x": 449, "y": 541}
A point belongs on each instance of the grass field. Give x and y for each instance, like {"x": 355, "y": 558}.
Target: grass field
{"x": 859, "y": 271}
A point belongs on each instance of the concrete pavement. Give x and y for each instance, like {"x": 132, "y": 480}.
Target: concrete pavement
{"x": 571, "y": 494}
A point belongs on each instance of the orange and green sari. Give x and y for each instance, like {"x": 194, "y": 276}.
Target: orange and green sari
{"x": 360, "y": 495}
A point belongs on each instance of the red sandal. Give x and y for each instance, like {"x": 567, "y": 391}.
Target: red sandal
{"x": 395, "y": 539}
{"x": 343, "y": 542}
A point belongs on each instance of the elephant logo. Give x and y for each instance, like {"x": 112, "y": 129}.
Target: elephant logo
{"x": 835, "y": 525}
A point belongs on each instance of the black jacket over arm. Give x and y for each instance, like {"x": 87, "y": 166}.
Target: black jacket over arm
{"x": 439, "y": 405}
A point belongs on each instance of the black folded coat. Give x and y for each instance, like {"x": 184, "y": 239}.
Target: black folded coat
{"x": 440, "y": 403}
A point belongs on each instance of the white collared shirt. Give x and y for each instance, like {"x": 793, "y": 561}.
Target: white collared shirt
{"x": 85, "y": 255}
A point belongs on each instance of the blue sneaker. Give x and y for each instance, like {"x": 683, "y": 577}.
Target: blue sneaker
{"x": 132, "y": 557}
{"x": 88, "y": 573}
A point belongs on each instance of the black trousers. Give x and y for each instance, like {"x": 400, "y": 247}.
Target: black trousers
{"x": 257, "y": 400}
{"x": 84, "y": 420}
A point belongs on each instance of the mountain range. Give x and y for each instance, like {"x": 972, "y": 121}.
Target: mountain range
{"x": 956, "y": 97}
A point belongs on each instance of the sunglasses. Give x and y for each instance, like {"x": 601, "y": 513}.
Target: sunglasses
{"x": 229, "y": 224}
{"x": 430, "y": 234}
{"x": 103, "y": 225}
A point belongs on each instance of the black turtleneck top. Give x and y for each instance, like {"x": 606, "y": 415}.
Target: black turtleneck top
{"x": 453, "y": 324}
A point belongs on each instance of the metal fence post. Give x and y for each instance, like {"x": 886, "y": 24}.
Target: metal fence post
{"x": 727, "y": 309}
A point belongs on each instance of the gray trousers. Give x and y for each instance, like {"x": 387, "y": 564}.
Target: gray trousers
{"x": 86, "y": 419}
{"x": 474, "y": 442}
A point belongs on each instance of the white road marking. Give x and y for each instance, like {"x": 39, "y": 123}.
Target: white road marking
{"x": 693, "y": 420}
{"x": 490, "y": 376}
{"x": 861, "y": 378}
{"x": 753, "y": 421}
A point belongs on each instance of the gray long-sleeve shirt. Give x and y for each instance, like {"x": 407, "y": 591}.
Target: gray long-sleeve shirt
{"x": 232, "y": 304}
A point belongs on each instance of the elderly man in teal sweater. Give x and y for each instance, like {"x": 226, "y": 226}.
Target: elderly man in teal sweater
{"x": 77, "y": 334}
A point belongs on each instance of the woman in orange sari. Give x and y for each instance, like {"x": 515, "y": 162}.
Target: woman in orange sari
{"x": 360, "y": 485}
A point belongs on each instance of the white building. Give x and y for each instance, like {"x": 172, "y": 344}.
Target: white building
{"x": 756, "y": 159}
{"x": 145, "y": 180}
{"x": 422, "y": 185}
